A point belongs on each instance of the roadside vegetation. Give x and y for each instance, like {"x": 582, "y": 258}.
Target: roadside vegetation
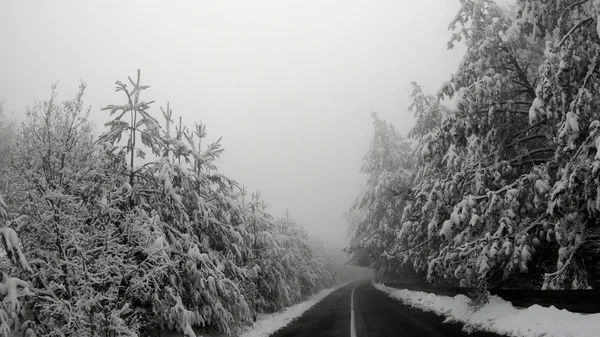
{"x": 501, "y": 190}
{"x": 135, "y": 231}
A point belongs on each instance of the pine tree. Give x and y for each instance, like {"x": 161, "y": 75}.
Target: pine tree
{"x": 377, "y": 210}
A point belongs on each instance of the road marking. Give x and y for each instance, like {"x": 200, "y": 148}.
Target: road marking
{"x": 352, "y": 323}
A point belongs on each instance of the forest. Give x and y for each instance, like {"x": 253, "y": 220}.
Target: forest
{"x": 135, "y": 231}
{"x": 497, "y": 184}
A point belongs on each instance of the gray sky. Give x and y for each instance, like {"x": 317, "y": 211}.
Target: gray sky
{"x": 288, "y": 84}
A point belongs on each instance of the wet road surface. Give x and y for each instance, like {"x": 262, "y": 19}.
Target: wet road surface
{"x": 374, "y": 315}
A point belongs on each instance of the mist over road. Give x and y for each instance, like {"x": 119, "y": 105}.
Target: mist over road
{"x": 375, "y": 315}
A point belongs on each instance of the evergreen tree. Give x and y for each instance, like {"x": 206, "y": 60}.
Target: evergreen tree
{"x": 377, "y": 210}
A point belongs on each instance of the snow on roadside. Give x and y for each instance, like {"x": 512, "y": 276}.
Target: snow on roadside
{"x": 268, "y": 324}
{"x": 501, "y": 316}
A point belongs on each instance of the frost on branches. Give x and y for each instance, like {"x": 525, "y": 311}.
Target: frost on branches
{"x": 506, "y": 190}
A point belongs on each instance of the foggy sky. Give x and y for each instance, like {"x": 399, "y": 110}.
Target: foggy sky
{"x": 289, "y": 85}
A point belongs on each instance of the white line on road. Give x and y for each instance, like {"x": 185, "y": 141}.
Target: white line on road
{"x": 352, "y": 323}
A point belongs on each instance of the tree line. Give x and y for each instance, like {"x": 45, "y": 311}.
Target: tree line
{"x": 136, "y": 231}
{"x": 504, "y": 189}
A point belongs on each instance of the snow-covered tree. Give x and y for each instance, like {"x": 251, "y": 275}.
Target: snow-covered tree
{"x": 71, "y": 239}
{"x": 188, "y": 214}
{"x": 224, "y": 255}
{"x": 377, "y": 210}
{"x": 287, "y": 265}
{"x": 7, "y": 138}
{"x": 467, "y": 221}
{"x": 112, "y": 242}
{"x": 505, "y": 190}
{"x": 566, "y": 102}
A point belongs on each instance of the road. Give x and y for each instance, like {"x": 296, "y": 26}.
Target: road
{"x": 360, "y": 310}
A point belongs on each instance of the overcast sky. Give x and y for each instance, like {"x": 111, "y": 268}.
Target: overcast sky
{"x": 288, "y": 84}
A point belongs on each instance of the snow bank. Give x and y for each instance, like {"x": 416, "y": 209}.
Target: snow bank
{"x": 502, "y": 317}
{"x": 268, "y": 324}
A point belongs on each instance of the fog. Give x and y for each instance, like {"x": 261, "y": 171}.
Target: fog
{"x": 289, "y": 85}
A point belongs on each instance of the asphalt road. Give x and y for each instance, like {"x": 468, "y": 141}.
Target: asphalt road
{"x": 375, "y": 315}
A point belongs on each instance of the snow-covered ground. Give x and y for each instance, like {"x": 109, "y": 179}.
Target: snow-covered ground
{"x": 265, "y": 325}
{"x": 501, "y": 316}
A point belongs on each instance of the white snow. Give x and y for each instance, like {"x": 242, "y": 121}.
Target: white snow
{"x": 501, "y": 316}
{"x": 573, "y": 121}
{"x": 536, "y": 107}
{"x": 12, "y": 244}
{"x": 598, "y": 25}
{"x": 11, "y": 293}
{"x": 597, "y": 6}
{"x": 597, "y": 148}
{"x": 268, "y": 324}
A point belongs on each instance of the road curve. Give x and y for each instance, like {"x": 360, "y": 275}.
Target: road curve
{"x": 375, "y": 315}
